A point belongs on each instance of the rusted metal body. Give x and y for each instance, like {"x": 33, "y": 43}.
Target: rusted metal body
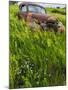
{"x": 32, "y": 12}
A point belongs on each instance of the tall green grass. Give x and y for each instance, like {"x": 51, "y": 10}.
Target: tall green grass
{"x": 37, "y": 59}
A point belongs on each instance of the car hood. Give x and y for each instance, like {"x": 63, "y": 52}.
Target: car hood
{"x": 40, "y": 17}
{"x": 43, "y": 17}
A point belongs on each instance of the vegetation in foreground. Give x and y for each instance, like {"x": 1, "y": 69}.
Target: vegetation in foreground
{"x": 37, "y": 59}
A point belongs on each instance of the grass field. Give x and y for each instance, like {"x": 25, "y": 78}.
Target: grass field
{"x": 37, "y": 59}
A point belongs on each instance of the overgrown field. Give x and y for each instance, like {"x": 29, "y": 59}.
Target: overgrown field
{"x": 37, "y": 59}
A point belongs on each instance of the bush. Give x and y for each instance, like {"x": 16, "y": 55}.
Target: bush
{"x": 61, "y": 11}
{"x": 36, "y": 58}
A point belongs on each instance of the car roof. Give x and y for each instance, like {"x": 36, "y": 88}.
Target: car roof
{"x": 30, "y": 3}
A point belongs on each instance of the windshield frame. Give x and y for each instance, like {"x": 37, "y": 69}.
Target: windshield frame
{"x": 37, "y": 7}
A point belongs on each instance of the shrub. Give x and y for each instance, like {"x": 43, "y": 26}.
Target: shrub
{"x": 61, "y": 11}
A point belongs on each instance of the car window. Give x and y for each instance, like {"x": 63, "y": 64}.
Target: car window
{"x": 24, "y": 8}
{"x": 36, "y": 9}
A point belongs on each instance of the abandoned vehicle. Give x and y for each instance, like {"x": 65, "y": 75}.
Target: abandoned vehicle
{"x": 36, "y": 15}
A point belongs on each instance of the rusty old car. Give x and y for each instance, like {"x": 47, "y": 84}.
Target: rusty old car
{"x": 37, "y": 16}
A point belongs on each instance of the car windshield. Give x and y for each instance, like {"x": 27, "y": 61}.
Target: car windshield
{"x": 36, "y": 9}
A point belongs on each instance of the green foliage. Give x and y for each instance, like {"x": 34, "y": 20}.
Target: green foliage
{"x": 61, "y": 11}
{"x": 36, "y": 58}
{"x": 57, "y": 10}
{"x": 12, "y": 2}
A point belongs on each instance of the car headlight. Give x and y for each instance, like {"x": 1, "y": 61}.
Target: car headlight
{"x": 61, "y": 27}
